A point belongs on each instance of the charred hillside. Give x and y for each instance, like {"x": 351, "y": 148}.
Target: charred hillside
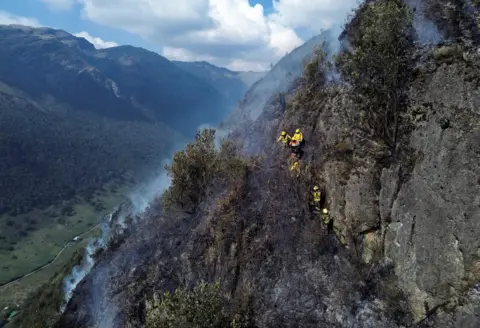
{"x": 394, "y": 146}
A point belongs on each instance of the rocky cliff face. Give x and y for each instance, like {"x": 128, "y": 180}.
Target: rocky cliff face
{"x": 421, "y": 209}
{"x": 403, "y": 251}
{"x": 432, "y": 224}
{"x": 418, "y": 211}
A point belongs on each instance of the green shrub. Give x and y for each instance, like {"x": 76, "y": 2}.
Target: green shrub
{"x": 191, "y": 170}
{"x": 201, "y": 166}
{"x": 316, "y": 69}
{"x": 314, "y": 78}
{"x": 203, "y": 307}
{"x": 379, "y": 66}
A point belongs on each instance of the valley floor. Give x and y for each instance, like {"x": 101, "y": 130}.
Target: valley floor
{"x": 36, "y": 257}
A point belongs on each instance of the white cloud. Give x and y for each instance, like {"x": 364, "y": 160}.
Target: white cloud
{"x": 282, "y": 38}
{"x": 229, "y": 33}
{"x": 313, "y": 14}
{"x": 7, "y": 19}
{"x": 59, "y": 4}
{"x": 96, "y": 41}
{"x": 183, "y": 55}
{"x": 232, "y": 63}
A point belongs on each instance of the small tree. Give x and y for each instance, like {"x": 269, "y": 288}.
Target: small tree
{"x": 379, "y": 66}
{"x": 200, "y": 167}
{"x": 191, "y": 170}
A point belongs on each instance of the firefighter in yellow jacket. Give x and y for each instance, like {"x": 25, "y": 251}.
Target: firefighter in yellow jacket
{"x": 315, "y": 205}
{"x": 338, "y": 232}
{"x": 325, "y": 216}
{"x": 285, "y": 138}
{"x": 295, "y": 167}
{"x": 298, "y": 136}
{"x": 296, "y": 143}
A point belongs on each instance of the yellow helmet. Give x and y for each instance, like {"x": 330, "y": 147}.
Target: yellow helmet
{"x": 284, "y": 133}
{"x": 315, "y": 188}
{"x": 325, "y": 211}
{"x": 297, "y": 131}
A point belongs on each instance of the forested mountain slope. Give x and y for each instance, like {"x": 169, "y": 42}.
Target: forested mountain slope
{"x": 73, "y": 117}
{"x": 77, "y": 125}
{"x": 48, "y": 156}
{"x": 124, "y": 83}
{"x": 394, "y": 147}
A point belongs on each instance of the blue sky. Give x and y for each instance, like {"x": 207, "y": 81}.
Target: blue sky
{"x": 70, "y": 21}
{"x": 232, "y": 33}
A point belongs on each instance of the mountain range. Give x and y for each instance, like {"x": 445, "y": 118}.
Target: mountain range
{"x": 73, "y": 117}
{"x": 232, "y": 85}
{"x": 125, "y": 82}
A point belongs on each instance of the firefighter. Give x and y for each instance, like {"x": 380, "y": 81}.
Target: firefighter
{"x": 298, "y": 136}
{"x": 316, "y": 199}
{"x": 295, "y": 167}
{"x": 285, "y": 138}
{"x": 296, "y": 143}
{"x": 325, "y": 216}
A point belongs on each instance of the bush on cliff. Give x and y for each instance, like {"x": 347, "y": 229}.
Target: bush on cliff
{"x": 200, "y": 168}
{"x": 378, "y": 68}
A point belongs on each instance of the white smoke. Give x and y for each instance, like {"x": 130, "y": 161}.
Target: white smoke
{"x": 426, "y": 30}
{"x": 146, "y": 192}
{"x": 220, "y": 134}
{"x": 333, "y": 48}
{"x": 140, "y": 198}
{"x": 80, "y": 271}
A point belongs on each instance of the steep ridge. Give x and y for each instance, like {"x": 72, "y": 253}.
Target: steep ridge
{"x": 232, "y": 85}
{"x": 401, "y": 249}
{"x": 276, "y": 80}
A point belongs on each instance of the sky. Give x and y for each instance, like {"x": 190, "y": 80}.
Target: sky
{"x": 238, "y": 34}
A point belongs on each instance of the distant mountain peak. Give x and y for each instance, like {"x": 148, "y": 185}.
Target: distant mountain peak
{"x": 231, "y": 84}
{"x": 123, "y": 82}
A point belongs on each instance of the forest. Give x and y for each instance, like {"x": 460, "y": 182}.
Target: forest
{"x": 48, "y": 157}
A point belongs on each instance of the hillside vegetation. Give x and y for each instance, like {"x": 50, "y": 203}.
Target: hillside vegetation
{"x": 394, "y": 148}
{"x": 47, "y": 157}
{"x": 277, "y": 80}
